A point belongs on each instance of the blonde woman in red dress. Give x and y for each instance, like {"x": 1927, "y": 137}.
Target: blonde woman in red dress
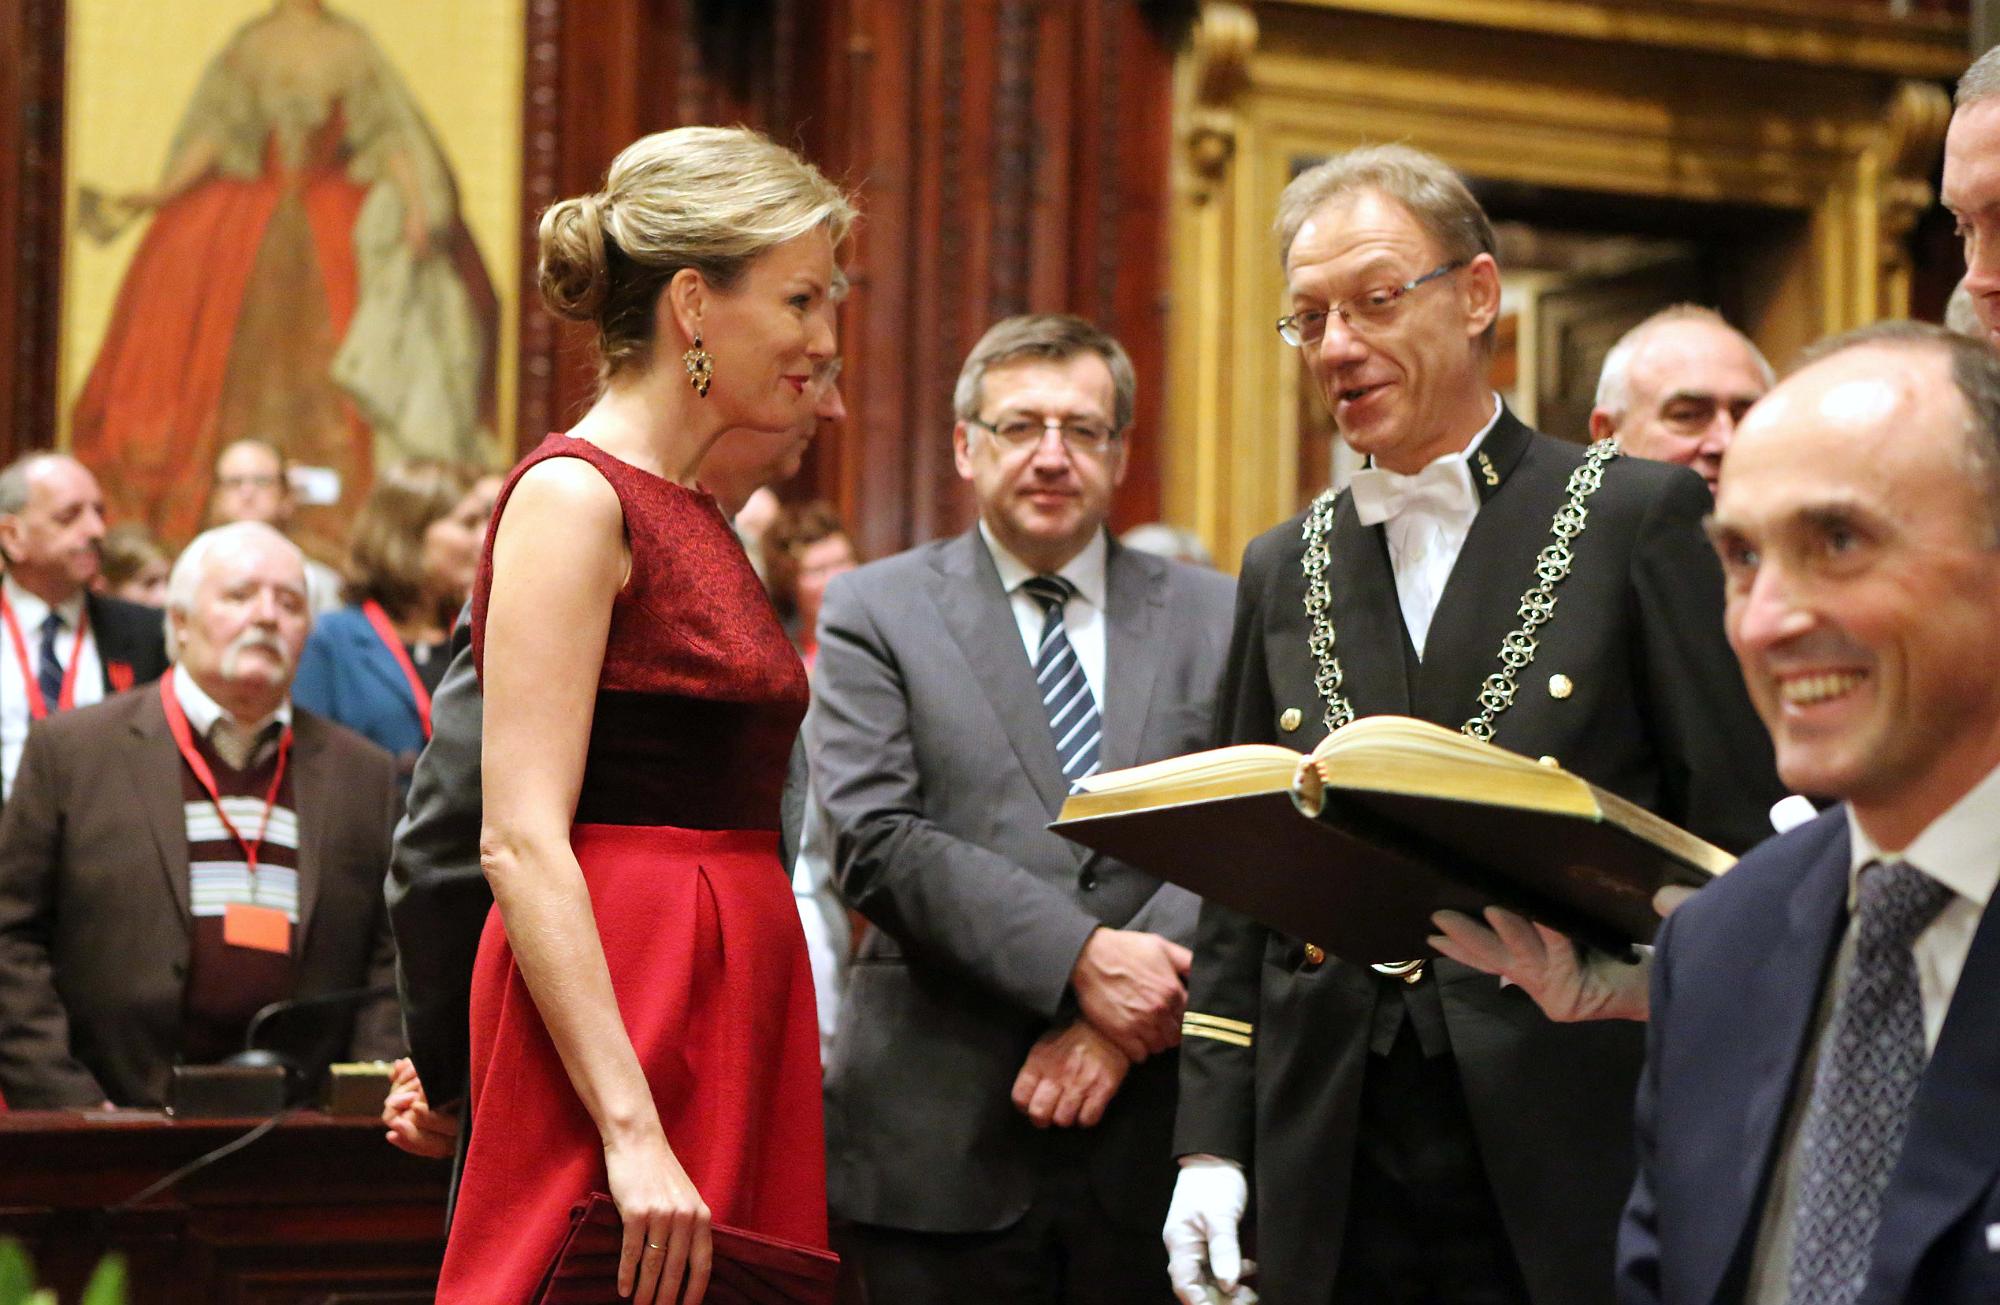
{"x": 642, "y": 1009}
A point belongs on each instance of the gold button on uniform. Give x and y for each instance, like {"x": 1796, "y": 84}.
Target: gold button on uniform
{"x": 1560, "y": 686}
{"x": 1291, "y": 719}
{"x": 1314, "y": 954}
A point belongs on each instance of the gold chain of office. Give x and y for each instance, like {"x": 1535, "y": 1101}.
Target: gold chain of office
{"x": 1517, "y": 651}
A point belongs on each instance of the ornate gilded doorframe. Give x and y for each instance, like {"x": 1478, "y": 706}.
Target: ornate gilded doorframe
{"x": 1531, "y": 93}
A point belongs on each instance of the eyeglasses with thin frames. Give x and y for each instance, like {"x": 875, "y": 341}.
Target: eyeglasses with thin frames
{"x": 824, "y": 373}
{"x": 1371, "y": 310}
{"x": 1026, "y": 432}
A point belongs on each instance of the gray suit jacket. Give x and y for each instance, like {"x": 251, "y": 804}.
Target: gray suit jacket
{"x": 934, "y": 761}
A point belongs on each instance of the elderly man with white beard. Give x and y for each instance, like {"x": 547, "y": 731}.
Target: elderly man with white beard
{"x": 176, "y": 857}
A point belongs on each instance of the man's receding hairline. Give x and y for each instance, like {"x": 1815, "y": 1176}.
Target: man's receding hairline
{"x": 1347, "y": 199}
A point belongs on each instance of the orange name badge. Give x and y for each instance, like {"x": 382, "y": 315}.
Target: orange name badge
{"x": 260, "y": 928}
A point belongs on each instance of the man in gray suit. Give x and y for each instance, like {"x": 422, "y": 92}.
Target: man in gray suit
{"x": 1011, "y": 980}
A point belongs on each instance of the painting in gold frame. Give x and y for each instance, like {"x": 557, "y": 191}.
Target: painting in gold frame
{"x": 296, "y": 220}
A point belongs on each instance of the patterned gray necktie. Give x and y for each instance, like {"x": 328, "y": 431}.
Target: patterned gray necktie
{"x": 1059, "y": 677}
{"x": 1869, "y": 1064}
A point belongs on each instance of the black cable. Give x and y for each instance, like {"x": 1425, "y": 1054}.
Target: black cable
{"x": 338, "y": 997}
{"x": 204, "y": 1160}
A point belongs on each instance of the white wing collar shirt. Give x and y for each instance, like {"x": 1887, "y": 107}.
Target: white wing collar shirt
{"x": 1083, "y": 615}
{"x": 30, "y": 613}
{"x": 1428, "y": 515}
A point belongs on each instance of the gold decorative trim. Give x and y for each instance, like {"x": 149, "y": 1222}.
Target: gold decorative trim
{"x": 1783, "y": 31}
{"x": 1407, "y": 971}
{"x": 1220, "y": 1022}
{"x": 1914, "y": 128}
{"x": 1219, "y": 54}
{"x": 1214, "y": 1035}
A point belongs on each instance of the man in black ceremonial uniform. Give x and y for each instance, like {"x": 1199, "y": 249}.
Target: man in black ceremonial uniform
{"x": 1417, "y": 1133}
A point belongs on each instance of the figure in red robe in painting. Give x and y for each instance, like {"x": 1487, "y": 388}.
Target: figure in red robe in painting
{"x": 305, "y": 279}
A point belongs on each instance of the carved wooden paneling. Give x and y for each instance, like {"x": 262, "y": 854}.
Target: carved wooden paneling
{"x": 1011, "y": 156}
{"x": 31, "y": 81}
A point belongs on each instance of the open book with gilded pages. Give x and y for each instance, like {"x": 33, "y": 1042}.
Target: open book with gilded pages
{"x": 1388, "y": 820}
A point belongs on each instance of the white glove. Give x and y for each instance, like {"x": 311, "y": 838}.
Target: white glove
{"x": 1546, "y": 965}
{"x": 1204, "y": 1261}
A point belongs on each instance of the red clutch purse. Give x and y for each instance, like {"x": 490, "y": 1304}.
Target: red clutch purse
{"x": 747, "y": 1268}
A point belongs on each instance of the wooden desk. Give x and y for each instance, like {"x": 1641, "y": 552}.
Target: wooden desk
{"x": 319, "y": 1210}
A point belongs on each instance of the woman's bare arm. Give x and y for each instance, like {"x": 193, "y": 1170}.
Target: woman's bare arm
{"x": 558, "y": 561}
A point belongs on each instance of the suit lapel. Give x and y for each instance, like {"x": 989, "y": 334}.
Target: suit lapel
{"x": 313, "y": 786}
{"x": 155, "y": 781}
{"x": 1135, "y": 592}
{"x": 106, "y": 641}
{"x": 1367, "y": 618}
{"x": 1944, "y": 1166}
{"x": 966, "y": 589}
{"x": 1478, "y": 605}
{"x": 1778, "y": 1016}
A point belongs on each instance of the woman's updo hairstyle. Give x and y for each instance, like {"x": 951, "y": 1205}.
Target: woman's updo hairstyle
{"x": 709, "y": 198}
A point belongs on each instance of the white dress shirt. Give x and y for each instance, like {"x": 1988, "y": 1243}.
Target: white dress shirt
{"x": 823, "y": 915}
{"x": 1424, "y": 543}
{"x": 1083, "y": 614}
{"x": 1961, "y": 850}
{"x": 30, "y": 612}
{"x": 203, "y": 711}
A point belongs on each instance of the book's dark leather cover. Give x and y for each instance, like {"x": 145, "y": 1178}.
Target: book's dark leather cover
{"x": 1363, "y": 878}
{"x": 747, "y": 1268}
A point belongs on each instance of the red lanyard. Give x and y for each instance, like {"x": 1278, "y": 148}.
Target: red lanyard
{"x": 38, "y": 706}
{"x": 385, "y": 630}
{"x": 177, "y": 725}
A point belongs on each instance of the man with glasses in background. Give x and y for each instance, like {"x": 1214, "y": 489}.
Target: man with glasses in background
{"x": 1011, "y": 981}
{"x": 1674, "y": 387}
{"x": 253, "y": 483}
{"x": 1415, "y": 1132}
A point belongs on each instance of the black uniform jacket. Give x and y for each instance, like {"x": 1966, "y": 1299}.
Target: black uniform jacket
{"x": 1654, "y": 709}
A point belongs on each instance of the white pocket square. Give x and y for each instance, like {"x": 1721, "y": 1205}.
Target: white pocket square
{"x": 1993, "y": 1237}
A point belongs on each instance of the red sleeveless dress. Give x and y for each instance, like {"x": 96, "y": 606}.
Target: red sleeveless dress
{"x": 676, "y": 830}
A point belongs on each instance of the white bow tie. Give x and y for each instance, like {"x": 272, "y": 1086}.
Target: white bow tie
{"x": 1442, "y": 489}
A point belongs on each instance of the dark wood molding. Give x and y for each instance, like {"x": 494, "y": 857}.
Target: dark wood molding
{"x": 320, "y": 1209}
{"x": 1010, "y": 156}
{"x": 32, "y": 48}
{"x": 540, "y": 137}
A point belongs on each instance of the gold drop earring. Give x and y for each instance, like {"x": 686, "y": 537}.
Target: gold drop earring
{"x": 700, "y": 366}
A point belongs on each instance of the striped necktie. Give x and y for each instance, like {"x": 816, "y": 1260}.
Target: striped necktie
{"x": 1872, "y": 1058}
{"x": 1066, "y": 696}
{"x": 49, "y": 667}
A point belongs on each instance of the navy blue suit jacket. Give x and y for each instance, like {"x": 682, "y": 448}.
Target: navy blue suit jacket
{"x": 347, "y": 675}
{"x": 1736, "y": 982}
